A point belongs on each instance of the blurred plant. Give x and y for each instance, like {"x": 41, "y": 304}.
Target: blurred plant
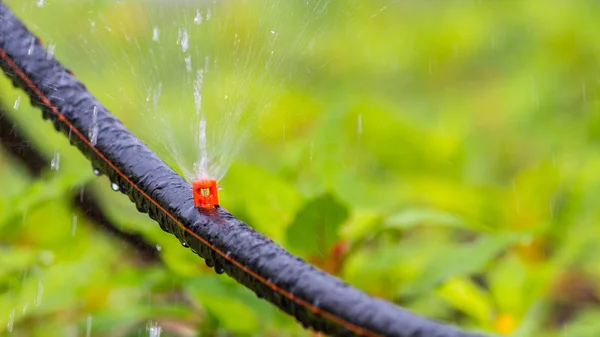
{"x": 441, "y": 155}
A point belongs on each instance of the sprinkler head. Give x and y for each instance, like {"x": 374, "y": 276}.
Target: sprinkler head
{"x": 205, "y": 193}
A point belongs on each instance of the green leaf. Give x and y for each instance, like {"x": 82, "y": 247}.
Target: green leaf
{"x": 256, "y": 192}
{"x": 503, "y": 276}
{"x": 40, "y": 192}
{"x": 414, "y": 217}
{"x": 228, "y": 303}
{"x": 465, "y": 296}
{"x": 467, "y": 259}
{"x": 317, "y": 225}
{"x": 15, "y": 259}
{"x": 361, "y": 224}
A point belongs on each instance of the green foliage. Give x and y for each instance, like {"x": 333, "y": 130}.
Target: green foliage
{"x": 232, "y": 313}
{"x": 316, "y": 226}
{"x": 443, "y": 155}
{"x": 466, "y": 259}
{"x": 41, "y": 192}
{"x": 414, "y": 217}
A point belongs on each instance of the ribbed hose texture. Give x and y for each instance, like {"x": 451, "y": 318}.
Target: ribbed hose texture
{"x": 314, "y": 298}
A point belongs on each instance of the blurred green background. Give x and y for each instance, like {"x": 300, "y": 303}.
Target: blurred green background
{"x": 452, "y": 144}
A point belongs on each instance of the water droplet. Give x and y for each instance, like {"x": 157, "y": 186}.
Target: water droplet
{"x": 11, "y": 320}
{"x": 228, "y": 253}
{"x": 183, "y": 39}
{"x": 50, "y": 51}
{"x": 25, "y": 307}
{"x": 272, "y": 32}
{"x": 31, "y": 46}
{"x": 206, "y": 63}
{"x": 156, "y": 95}
{"x": 93, "y": 134}
{"x": 188, "y": 63}
{"x": 40, "y": 3}
{"x": 183, "y": 243}
{"x": 198, "y": 90}
{"x": 73, "y": 224}
{"x": 55, "y": 162}
{"x": 219, "y": 270}
{"x": 158, "y": 247}
{"x": 88, "y": 330}
{"x": 96, "y": 171}
{"x": 40, "y": 291}
{"x": 92, "y": 26}
{"x": 198, "y": 19}
{"x": 155, "y": 34}
{"x": 114, "y": 186}
{"x": 219, "y": 188}
{"x": 201, "y": 167}
{"x": 208, "y": 14}
{"x": 81, "y": 192}
{"x": 17, "y": 102}
{"x": 209, "y": 263}
{"x": 153, "y": 329}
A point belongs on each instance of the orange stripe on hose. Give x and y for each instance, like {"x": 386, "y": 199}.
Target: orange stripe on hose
{"x": 352, "y": 327}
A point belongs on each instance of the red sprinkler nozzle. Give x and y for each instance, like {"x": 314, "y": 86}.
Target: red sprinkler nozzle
{"x": 205, "y": 193}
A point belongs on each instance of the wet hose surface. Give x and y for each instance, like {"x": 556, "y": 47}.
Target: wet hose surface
{"x": 314, "y": 298}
